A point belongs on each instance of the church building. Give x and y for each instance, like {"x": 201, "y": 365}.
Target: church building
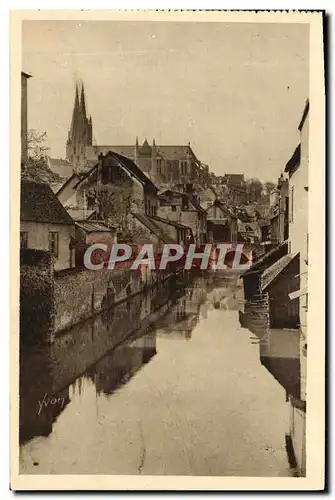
{"x": 164, "y": 165}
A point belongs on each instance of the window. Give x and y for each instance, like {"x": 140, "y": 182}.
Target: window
{"x": 54, "y": 243}
{"x": 291, "y": 204}
{"x": 174, "y": 208}
{"x": 23, "y": 239}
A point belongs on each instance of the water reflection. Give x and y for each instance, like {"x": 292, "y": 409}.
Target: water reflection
{"x": 164, "y": 383}
{"x": 280, "y": 353}
{"x": 119, "y": 366}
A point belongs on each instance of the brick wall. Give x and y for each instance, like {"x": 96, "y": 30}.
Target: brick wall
{"x": 82, "y": 293}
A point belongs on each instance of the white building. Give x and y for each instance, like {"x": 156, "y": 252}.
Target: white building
{"x": 297, "y": 169}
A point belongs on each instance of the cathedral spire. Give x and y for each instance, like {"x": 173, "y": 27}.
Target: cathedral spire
{"x": 82, "y": 102}
{"x": 75, "y": 113}
{"x": 81, "y": 133}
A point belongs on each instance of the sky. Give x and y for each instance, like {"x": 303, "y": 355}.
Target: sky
{"x": 235, "y": 91}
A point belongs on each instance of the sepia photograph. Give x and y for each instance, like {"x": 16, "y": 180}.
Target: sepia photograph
{"x": 168, "y": 226}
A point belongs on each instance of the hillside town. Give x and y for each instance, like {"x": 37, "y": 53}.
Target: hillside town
{"x": 147, "y": 192}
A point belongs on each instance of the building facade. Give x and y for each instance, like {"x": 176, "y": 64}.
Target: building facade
{"x": 184, "y": 208}
{"x": 297, "y": 169}
{"x": 45, "y": 224}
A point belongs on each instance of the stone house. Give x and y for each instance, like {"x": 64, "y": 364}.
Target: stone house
{"x": 184, "y": 208}
{"x": 45, "y": 224}
{"x": 134, "y": 191}
{"x": 221, "y": 223}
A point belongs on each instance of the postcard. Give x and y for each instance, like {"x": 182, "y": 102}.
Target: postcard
{"x": 168, "y": 250}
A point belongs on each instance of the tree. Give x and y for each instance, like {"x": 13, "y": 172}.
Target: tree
{"x": 269, "y": 186}
{"x": 255, "y": 189}
{"x": 114, "y": 205}
{"x": 36, "y": 167}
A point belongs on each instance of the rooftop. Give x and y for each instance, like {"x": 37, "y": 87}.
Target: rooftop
{"x": 39, "y": 204}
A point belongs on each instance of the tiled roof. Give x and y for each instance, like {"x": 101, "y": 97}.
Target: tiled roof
{"x": 39, "y": 204}
{"x": 272, "y": 272}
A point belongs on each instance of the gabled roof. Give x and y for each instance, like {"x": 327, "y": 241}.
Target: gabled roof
{"x": 132, "y": 168}
{"x": 125, "y": 163}
{"x": 39, "y": 204}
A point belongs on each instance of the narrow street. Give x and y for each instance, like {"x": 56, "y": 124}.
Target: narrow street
{"x": 190, "y": 397}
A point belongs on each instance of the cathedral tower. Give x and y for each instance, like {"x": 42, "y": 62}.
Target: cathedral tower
{"x": 80, "y": 133}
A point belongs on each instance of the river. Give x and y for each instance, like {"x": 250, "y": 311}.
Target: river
{"x": 191, "y": 393}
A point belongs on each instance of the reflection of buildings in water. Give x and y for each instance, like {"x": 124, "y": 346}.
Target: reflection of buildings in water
{"x": 48, "y": 369}
{"x": 281, "y": 356}
{"x": 280, "y": 353}
{"x": 118, "y": 367}
{"x": 254, "y": 317}
{"x": 183, "y": 315}
{"x": 40, "y": 405}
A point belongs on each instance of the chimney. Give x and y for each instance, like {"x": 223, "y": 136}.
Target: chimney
{"x": 24, "y": 117}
